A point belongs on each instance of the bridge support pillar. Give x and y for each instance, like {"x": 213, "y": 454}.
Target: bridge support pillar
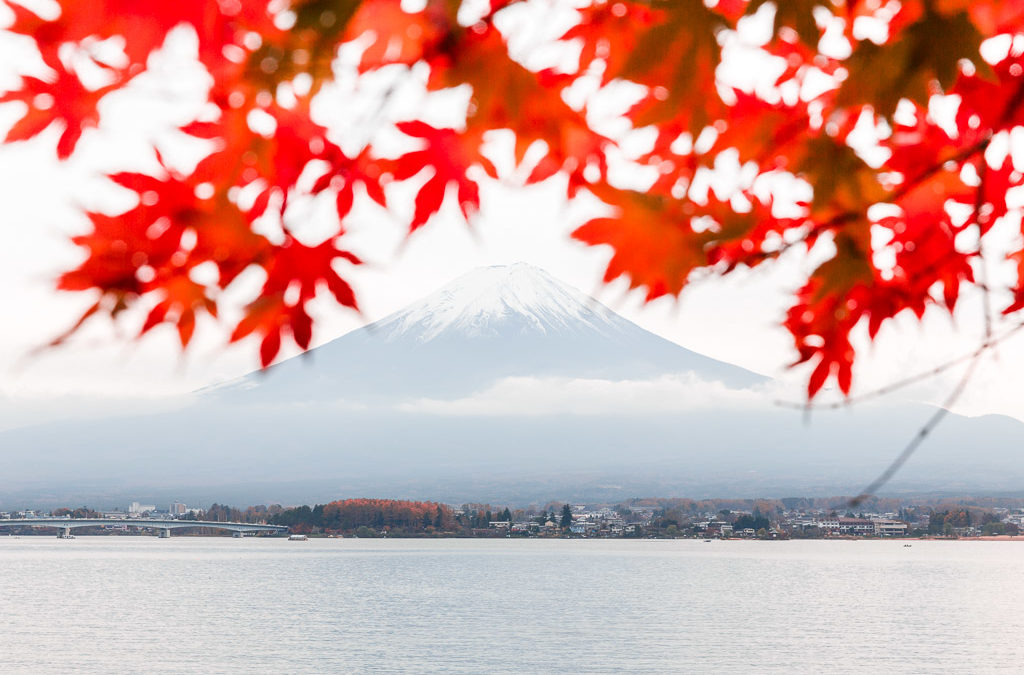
{"x": 65, "y": 533}
{"x": 165, "y": 533}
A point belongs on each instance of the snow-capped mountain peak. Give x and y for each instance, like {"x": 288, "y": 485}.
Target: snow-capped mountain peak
{"x": 490, "y": 323}
{"x": 499, "y": 300}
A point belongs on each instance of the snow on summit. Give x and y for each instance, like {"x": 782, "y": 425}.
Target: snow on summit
{"x": 488, "y": 324}
{"x": 498, "y": 300}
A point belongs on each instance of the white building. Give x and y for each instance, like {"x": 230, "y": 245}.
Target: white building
{"x": 859, "y": 526}
{"x": 136, "y": 508}
{"x": 890, "y": 528}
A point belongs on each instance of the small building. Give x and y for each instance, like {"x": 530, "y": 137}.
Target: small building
{"x": 890, "y": 528}
{"x": 857, "y": 526}
{"x": 136, "y": 508}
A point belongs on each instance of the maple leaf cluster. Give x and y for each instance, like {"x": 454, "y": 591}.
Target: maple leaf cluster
{"x": 901, "y": 214}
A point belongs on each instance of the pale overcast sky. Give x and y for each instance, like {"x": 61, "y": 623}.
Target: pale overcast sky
{"x": 735, "y": 319}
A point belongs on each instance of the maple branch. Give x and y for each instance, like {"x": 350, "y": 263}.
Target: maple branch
{"x": 958, "y": 158}
{"x": 1011, "y": 106}
{"x": 933, "y": 421}
{"x": 905, "y": 382}
{"x": 849, "y": 216}
{"x": 988, "y": 341}
{"x": 922, "y": 433}
{"x": 789, "y": 132}
{"x": 982, "y": 268}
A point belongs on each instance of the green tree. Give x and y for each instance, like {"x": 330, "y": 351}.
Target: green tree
{"x": 753, "y": 522}
{"x": 566, "y": 517}
{"x": 994, "y": 528}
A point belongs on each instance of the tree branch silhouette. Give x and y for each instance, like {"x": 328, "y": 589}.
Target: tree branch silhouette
{"x": 922, "y": 433}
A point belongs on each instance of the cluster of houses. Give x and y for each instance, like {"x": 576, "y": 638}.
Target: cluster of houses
{"x": 586, "y": 521}
{"x": 863, "y": 527}
{"x": 647, "y": 521}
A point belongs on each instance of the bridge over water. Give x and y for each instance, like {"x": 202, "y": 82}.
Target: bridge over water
{"x": 163, "y": 527}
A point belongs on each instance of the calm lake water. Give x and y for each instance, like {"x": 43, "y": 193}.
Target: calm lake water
{"x": 211, "y": 605}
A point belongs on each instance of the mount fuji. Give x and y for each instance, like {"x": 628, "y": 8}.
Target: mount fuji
{"x": 490, "y": 323}
{"x": 505, "y": 385}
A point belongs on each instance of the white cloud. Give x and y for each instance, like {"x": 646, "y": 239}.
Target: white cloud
{"x": 539, "y": 396}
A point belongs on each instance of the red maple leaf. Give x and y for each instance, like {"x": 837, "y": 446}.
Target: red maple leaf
{"x": 294, "y": 269}
{"x": 61, "y": 99}
{"x": 448, "y": 155}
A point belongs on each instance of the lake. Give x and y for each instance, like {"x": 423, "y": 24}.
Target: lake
{"x": 262, "y": 605}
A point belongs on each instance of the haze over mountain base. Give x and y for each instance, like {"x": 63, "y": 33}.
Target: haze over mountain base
{"x": 505, "y": 385}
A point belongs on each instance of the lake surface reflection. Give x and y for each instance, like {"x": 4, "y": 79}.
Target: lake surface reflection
{"x": 213, "y": 605}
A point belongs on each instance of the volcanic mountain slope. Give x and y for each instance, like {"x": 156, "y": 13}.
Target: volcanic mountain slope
{"x": 425, "y": 404}
{"x": 490, "y": 323}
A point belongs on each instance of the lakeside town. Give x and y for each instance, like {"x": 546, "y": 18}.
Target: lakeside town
{"x": 645, "y": 518}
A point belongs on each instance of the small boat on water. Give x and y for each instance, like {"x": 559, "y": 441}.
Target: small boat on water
{"x": 298, "y": 537}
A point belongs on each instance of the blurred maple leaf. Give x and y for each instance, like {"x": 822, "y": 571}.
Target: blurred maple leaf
{"x": 928, "y": 179}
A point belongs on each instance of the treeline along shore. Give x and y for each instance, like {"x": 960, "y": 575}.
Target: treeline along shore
{"x": 789, "y": 518}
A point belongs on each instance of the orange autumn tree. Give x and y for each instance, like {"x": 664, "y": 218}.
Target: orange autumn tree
{"x": 894, "y": 117}
{"x": 348, "y": 514}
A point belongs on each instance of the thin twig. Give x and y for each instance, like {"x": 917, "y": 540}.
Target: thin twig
{"x": 979, "y": 196}
{"x": 899, "y": 384}
{"x": 922, "y": 433}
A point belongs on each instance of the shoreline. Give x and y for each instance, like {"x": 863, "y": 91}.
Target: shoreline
{"x": 1003, "y": 537}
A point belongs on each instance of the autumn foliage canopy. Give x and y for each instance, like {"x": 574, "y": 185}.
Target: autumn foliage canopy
{"x": 883, "y": 130}
{"x": 379, "y": 514}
